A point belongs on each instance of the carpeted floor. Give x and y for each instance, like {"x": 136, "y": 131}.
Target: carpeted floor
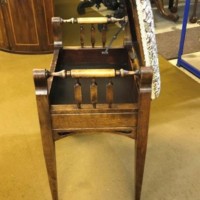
{"x": 98, "y": 166}
{"x": 168, "y": 32}
{"x": 168, "y": 42}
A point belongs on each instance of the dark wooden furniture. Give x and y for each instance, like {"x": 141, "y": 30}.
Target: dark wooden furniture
{"x": 25, "y": 26}
{"x": 193, "y": 18}
{"x": 168, "y": 14}
{"x": 104, "y": 90}
{"x": 173, "y": 6}
{"x": 3, "y": 36}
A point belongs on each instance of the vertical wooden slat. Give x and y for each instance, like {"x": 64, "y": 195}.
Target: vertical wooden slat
{"x": 78, "y": 94}
{"x": 94, "y": 93}
{"x": 82, "y": 35}
{"x": 109, "y": 94}
{"x": 92, "y": 35}
{"x": 103, "y": 32}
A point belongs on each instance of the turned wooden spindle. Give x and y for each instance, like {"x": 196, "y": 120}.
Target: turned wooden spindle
{"x": 93, "y": 93}
{"x": 109, "y": 94}
{"x": 78, "y": 93}
{"x": 92, "y": 35}
{"x": 92, "y": 73}
{"x": 82, "y": 35}
{"x": 103, "y": 32}
{"x": 93, "y": 20}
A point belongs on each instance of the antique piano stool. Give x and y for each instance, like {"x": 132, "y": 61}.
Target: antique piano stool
{"x": 106, "y": 89}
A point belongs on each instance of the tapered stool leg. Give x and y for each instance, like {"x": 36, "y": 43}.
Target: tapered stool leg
{"x": 142, "y": 130}
{"x": 48, "y": 148}
{"x": 48, "y": 142}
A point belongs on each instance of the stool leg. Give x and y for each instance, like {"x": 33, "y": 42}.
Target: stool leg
{"x": 48, "y": 145}
{"x": 141, "y": 141}
{"x": 48, "y": 142}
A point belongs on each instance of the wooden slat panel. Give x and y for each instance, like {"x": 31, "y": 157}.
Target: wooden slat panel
{"x": 84, "y": 55}
{"x": 125, "y": 131}
{"x": 95, "y": 120}
{"x": 87, "y": 108}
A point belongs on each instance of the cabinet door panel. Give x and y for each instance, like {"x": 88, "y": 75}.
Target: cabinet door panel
{"x": 23, "y": 22}
{"x": 28, "y": 25}
{"x": 49, "y": 13}
{"x": 3, "y": 36}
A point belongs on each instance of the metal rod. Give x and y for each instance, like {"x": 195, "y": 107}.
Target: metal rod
{"x": 113, "y": 39}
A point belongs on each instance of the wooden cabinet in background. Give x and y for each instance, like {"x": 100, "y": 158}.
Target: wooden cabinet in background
{"x": 3, "y": 36}
{"x": 26, "y": 26}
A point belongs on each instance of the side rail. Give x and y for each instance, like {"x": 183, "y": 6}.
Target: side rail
{"x": 143, "y": 78}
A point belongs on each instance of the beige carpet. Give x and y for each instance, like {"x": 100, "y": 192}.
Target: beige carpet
{"x": 98, "y": 167}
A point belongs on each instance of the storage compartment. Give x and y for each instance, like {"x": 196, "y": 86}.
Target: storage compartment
{"x": 124, "y": 88}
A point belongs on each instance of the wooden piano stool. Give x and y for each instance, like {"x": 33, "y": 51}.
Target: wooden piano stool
{"x": 104, "y": 89}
